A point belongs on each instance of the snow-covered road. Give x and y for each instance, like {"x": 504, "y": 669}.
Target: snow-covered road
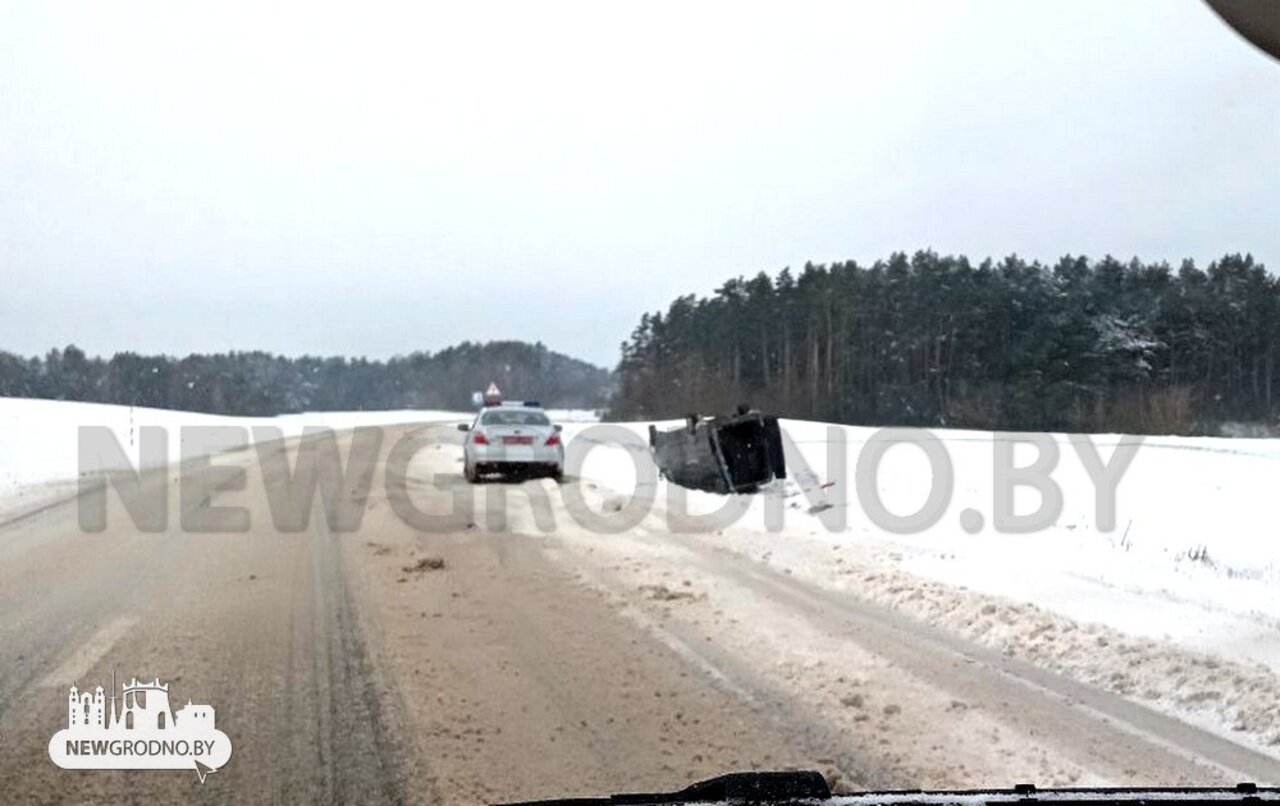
{"x": 1147, "y": 654}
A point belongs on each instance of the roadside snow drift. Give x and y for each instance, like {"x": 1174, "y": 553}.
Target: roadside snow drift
{"x": 1177, "y": 606}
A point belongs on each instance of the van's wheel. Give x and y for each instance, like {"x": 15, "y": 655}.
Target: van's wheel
{"x": 469, "y": 473}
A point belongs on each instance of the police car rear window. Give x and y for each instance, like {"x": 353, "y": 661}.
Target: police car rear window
{"x": 515, "y": 417}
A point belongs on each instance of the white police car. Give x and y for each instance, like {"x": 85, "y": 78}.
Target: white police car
{"x": 510, "y": 438}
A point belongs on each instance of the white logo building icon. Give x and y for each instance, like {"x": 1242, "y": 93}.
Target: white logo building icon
{"x": 145, "y": 705}
{"x": 138, "y": 730}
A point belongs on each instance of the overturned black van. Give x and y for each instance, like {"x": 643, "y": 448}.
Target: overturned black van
{"x": 723, "y": 455}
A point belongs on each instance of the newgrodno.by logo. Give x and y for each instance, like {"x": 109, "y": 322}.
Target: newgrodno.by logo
{"x": 143, "y": 733}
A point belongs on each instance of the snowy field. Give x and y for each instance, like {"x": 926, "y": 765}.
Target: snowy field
{"x": 1198, "y": 523}
{"x": 1178, "y": 606}
{"x": 38, "y": 438}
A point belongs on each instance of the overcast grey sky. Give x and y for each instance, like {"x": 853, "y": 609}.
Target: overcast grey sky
{"x": 371, "y": 179}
